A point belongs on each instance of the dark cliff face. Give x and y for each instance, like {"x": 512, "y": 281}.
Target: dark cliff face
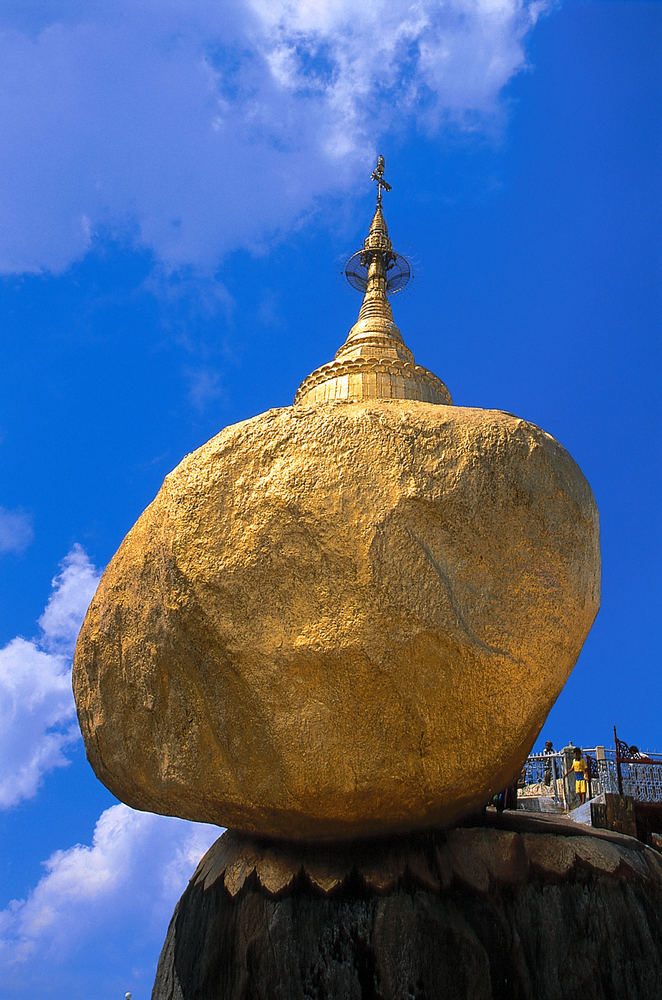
{"x": 562, "y": 917}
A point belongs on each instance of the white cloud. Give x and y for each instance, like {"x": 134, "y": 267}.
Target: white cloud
{"x": 37, "y": 721}
{"x": 36, "y": 718}
{"x": 15, "y": 530}
{"x": 111, "y": 901}
{"x": 73, "y": 588}
{"x": 195, "y": 127}
{"x": 205, "y": 387}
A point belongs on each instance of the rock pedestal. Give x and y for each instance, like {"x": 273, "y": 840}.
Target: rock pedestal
{"x": 514, "y": 907}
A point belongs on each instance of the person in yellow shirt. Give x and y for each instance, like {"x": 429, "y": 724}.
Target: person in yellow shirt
{"x": 580, "y": 769}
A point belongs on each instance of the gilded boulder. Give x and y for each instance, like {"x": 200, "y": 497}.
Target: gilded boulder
{"x": 340, "y": 620}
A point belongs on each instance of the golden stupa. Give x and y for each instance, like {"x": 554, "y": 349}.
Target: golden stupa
{"x": 374, "y": 362}
{"x": 345, "y": 617}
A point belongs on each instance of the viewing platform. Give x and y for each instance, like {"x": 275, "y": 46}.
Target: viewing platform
{"x": 624, "y": 788}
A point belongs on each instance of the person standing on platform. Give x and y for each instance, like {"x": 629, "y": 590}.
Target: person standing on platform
{"x": 580, "y": 769}
{"x": 549, "y": 753}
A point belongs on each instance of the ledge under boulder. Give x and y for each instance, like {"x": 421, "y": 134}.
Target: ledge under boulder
{"x": 507, "y": 907}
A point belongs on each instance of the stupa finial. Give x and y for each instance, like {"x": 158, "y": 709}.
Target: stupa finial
{"x": 377, "y": 269}
{"x": 378, "y": 176}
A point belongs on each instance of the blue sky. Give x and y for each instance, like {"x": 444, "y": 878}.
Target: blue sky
{"x": 179, "y": 186}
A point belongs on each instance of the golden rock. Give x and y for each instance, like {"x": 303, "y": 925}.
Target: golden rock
{"x": 346, "y": 617}
{"x": 340, "y": 620}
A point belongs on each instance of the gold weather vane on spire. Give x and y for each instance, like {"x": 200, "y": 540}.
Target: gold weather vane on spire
{"x": 378, "y": 176}
{"x": 374, "y": 362}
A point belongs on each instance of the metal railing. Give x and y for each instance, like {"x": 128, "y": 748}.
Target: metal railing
{"x": 542, "y": 776}
{"x": 640, "y": 778}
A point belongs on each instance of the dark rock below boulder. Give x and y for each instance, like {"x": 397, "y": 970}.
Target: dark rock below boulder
{"x": 517, "y": 908}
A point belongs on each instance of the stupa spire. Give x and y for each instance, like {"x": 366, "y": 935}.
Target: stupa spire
{"x": 374, "y": 362}
{"x": 375, "y": 293}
